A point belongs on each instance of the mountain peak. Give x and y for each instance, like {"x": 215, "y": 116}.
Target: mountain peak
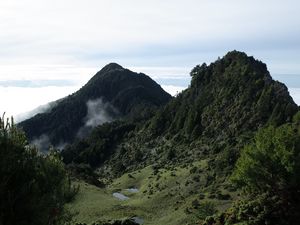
{"x": 243, "y": 59}
{"x": 115, "y": 92}
{"x": 237, "y": 90}
{"x": 236, "y": 54}
{"x": 111, "y": 66}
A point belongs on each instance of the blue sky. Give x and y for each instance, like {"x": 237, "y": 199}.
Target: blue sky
{"x": 50, "y": 48}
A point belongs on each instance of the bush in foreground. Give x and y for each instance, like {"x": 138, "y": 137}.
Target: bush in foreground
{"x": 268, "y": 174}
{"x": 33, "y": 187}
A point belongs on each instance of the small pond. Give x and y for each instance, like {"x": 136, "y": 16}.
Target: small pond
{"x": 120, "y": 196}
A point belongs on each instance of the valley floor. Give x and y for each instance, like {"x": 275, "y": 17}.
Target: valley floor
{"x": 168, "y": 197}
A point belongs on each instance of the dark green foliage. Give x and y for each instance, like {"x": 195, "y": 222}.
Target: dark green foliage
{"x": 86, "y": 173}
{"x": 272, "y": 162}
{"x": 95, "y": 149}
{"x": 171, "y": 154}
{"x": 205, "y": 209}
{"x": 133, "y": 95}
{"x": 257, "y": 210}
{"x": 271, "y": 165}
{"x": 33, "y": 187}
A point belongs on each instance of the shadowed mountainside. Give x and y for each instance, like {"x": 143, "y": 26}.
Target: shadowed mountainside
{"x": 117, "y": 91}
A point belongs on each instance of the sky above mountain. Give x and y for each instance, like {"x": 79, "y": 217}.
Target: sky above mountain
{"x": 49, "y": 48}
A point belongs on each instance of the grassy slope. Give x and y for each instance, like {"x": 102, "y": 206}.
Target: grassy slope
{"x": 164, "y": 197}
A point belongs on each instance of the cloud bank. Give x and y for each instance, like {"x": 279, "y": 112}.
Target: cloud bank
{"x": 41, "y": 109}
{"x": 98, "y": 113}
{"x": 16, "y": 100}
{"x": 42, "y": 143}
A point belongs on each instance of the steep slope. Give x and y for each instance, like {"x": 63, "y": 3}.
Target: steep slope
{"x": 232, "y": 96}
{"x": 114, "y": 92}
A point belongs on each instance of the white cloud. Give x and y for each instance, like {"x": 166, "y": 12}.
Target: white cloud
{"x": 42, "y": 143}
{"x": 98, "y": 112}
{"x": 40, "y": 109}
{"x": 43, "y": 72}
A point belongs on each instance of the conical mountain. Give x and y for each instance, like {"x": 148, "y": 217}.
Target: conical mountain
{"x": 113, "y": 93}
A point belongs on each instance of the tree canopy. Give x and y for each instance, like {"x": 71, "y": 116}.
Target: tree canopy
{"x": 272, "y": 162}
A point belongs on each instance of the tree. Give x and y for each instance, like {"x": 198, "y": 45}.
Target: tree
{"x": 270, "y": 167}
{"x": 33, "y": 187}
{"x": 272, "y": 162}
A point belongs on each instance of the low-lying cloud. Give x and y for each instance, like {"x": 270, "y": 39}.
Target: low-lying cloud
{"x": 42, "y": 143}
{"x": 36, "y": 83}
{"x": 40, "y": 109}
{"x": 98, "y": 112}
{"x": 16, "y": 100}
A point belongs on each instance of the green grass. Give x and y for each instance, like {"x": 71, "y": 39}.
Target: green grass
{"x": 163, "y": 198}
